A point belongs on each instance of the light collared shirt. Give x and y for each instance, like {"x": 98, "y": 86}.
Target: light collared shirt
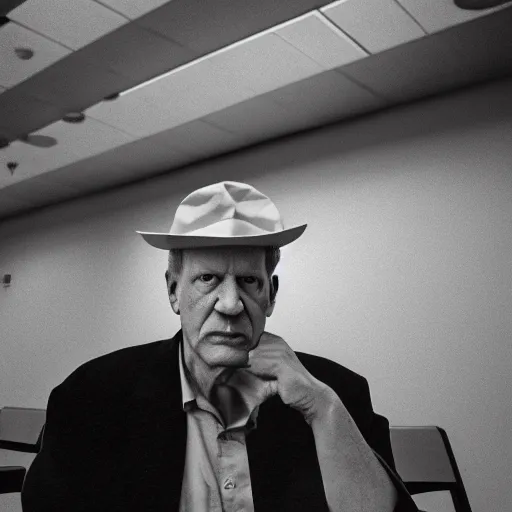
{"x": 216, "y": 476}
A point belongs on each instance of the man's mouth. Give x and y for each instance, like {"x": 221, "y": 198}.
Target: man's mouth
{"x": 232, "y": 336}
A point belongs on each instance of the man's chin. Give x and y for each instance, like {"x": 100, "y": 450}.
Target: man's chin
{"x": 230, "y": 358}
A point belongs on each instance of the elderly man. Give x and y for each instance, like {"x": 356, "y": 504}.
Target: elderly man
{"x": 224, "y": 416}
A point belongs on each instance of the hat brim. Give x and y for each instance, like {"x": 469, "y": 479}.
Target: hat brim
{"x": 167, "y": 242}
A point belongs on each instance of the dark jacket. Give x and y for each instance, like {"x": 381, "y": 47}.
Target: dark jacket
{"x": 115, "y": 439}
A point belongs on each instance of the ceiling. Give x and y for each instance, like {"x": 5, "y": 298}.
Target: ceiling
{"x": 165, "y": 84}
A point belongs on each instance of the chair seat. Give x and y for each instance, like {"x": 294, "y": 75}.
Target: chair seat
{"x": 11, "y": 478}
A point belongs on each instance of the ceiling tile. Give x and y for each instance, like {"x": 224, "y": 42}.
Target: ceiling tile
{"x": 263, "y": 63}
{"x": 75, "y": 142}
{"x": 74, "y": 83}
{"x": 136, "y": 160}
{"x": 133, "y": 114}
{"x": 442, "y": 61}
{"x": 33, "y": 161}
{"x": 375, "y": 24}
{"x": 132, "y": 9}
{"x": 436, "y": 15}
{"x": 20, "y": 113}
{"x": 137, "y": 53}
{"x": 321, "y": 40}
{"x": 86, "y": 139}
{"x": 199, "y": 139}
{"x": 324, "y": 96}
{"x": 193, "y": 91}
{"x": 13, "y": 69}
{"x": 73, "y": 23}
{"x": 208, "y": 26}
{"x": 249, "y": 118}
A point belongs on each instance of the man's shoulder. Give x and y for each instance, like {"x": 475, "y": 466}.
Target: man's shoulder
{"x": 349, "y": 385}
{"x": 328, "y": 367}
{"x": 111, "y": 371}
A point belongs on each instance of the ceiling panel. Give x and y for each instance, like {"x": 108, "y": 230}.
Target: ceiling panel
{"x": 73, "y": 23}
{"x": 146, "y": 157}
{"x": 137, "y": 53}
{"x": 14, "y": 70}
{"x": 82, "y": 79}
{"x": 441, "y": 62}
{"x": 133, "y": 114}
{"x": 252, "y": 117}
{"x": 136, "y": 160}
{"x": 321, "y": 40}
{"x": 326, "y": 96}
{"x": 263, "y": 63}
{"x": 75, "y": 141}
{"x": 193, "y": 91}
{"x": 73, "y": 83}
{"x": 132, "y": 9}
{"x": 375, "y": 24}
{"x": 221, "y": 22}
{"x": 19, "y": 110}
{"x": 31, "y": 161}
{"x": 86, "y": 139}
{"x": 199, "y": 138}
{"x": 436, "y": 15}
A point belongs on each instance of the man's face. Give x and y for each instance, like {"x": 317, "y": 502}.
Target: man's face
{"x": 222, "y": 296}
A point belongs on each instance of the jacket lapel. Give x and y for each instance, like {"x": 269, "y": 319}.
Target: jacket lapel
{"x": 157, "y": 433}
{"x": 285, "y": 474}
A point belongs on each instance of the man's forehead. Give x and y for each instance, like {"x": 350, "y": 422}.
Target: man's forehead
{"x": 225, "y": 257}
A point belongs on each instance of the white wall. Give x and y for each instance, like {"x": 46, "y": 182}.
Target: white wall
{"x": 404, "y": 273}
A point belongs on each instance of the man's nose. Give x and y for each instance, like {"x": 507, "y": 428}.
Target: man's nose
{"x": 229, "y": 301}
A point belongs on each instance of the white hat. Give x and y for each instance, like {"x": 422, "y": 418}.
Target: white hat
{"x": 225, "y": 213}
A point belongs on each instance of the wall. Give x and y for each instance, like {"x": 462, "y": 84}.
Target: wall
{"x": 404, "y": 273}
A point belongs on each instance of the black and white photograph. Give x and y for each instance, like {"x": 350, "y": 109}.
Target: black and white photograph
{"x": 255, "y": 256}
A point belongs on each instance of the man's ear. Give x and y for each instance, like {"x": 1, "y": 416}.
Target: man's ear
{"x": 274, "y": 286}
{"x": 171, "y": 291}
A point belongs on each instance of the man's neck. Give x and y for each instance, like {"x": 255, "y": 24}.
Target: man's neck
{"x": 203, "y": 376}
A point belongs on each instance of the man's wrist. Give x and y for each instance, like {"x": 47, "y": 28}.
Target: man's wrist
{"x": 327, "y": 405}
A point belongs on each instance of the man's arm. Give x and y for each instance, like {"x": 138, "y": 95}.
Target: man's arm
{"x": 354, "y": 479}
{"x": 354, "y": 476}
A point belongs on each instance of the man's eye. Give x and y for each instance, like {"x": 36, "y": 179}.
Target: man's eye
{"x": 250, "y": 280}
{"x": 207, "y": 278}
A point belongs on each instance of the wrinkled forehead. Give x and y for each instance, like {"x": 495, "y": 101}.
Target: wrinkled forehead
{"x": 225, "y": 259}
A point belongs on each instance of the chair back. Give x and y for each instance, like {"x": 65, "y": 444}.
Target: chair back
{"x": 21, "y": 429}
{"x": 425, "y": 462}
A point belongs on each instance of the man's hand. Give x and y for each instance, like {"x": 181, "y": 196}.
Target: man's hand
{"x": 280, "y": 372}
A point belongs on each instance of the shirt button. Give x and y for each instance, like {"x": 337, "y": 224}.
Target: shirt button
{"x": 229, "y": 483}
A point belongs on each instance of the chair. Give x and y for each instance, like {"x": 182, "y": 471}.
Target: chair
{"x": 425, "y": 462}
{"x": 21, "y": 430}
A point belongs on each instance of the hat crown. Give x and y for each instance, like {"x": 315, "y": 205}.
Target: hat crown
{"x": 228, "y": 205}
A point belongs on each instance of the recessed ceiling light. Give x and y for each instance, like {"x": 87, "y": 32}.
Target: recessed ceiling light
{"x": 475, "y": 5}
{"x": 24, "y": 53}
{"x": 74, "y": 117}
